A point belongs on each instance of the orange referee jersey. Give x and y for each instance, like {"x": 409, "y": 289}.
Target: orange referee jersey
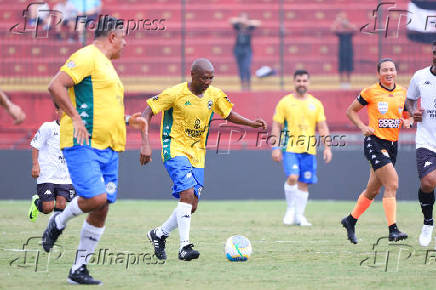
{"x": 385, "y": 109}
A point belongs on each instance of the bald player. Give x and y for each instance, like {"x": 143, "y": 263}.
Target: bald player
{"x": 187, "y": 110}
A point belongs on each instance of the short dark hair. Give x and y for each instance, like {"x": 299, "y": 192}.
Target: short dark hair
{"x": 301, "y": 72}
{"x": 385, "y": 60}
{"x": 107, "y": 24}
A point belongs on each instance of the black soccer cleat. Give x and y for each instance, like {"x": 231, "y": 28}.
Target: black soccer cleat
{"x": 395, "y": 234}
{"x": 158, "y": 244}
{"x": 346, "y": 223}
{"x": 187, "y": 253}
{"x": 51, "y": 234}
{"x": 81, "y": 276}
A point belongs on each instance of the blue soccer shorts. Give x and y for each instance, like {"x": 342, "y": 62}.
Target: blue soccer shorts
{"x": 184, "y": 176}
{"x": 93, "y": 171}
{"x": 301, "y": 164}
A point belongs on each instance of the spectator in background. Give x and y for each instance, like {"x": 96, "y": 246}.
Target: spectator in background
{"x": 344, "y": 30}
{"x": 69, "y": 16}
{"x": 38, "y": 14}
{"x": 244, "y": 28}
{"x": 86, "y": 8}
{"x": 15, "y": 111}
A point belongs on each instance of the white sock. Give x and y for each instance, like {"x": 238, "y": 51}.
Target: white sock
{"x": 290, "y": 192}
{"x": 72, "y": 210}
{"x": 167, "y": 227}
{"x": 89, "y": 237}
{"x": 183, "y": 213}
{"x": 301, "y": 198}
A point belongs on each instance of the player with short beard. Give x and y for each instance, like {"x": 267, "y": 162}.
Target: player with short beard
{"x": 297, "y": 116}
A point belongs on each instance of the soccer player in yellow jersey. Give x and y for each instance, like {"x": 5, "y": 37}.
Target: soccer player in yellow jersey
{"x": 296, "y": 118}
{"x": 92, "y": 132}
{"x": 187, "y": 110}
{"x": 385, "y": 102}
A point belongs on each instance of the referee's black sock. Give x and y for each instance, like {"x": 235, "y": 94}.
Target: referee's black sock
{"x": 426, "y": 200}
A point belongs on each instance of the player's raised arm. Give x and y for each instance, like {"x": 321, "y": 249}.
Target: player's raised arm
{"x": 58, "y": 90}
{"x": 238, "y": 119}
{"x": 352, "y": 114}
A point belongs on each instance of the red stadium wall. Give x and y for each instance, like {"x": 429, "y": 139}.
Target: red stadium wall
{"x": 39, "y": 109}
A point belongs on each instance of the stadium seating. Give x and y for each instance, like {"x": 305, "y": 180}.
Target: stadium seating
{"x": 308, "y": 41}
{"x": 26, "y": 62}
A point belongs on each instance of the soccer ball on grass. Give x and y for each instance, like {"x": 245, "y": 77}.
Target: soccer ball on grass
{"x": 238, "y": 248}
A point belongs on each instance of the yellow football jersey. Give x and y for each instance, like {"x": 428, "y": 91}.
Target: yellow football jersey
{"x": 98, "y": 96}
{"x": 299, "y": 118}
{"x": 186, "y": 120}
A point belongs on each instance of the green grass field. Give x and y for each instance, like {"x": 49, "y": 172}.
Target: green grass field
{"x": 283, "y": 257}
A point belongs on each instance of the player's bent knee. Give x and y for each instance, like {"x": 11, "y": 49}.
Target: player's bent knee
{"x": 391, "y": 187}
{"x": 292, "y": 179}
{"x": 428, "y": 184}
{"x": 303, "y": 186}
{"x": 47, "y": 207}
{"x": 103, "y": 209}
{"x": 188, "y": 196}
{"x": 371, "y": 194}
{"x": 93, "y": 203}
{"x": 61, "y": 204}
{"x": 97, "y": 217}
{"x": 194, "y": 204}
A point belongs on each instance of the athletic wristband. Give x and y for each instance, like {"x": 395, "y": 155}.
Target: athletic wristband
{"x": 275, "y": 147}
{"x": 127, "y": 119}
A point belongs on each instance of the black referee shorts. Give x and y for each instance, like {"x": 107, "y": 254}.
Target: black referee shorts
{"x": 380, "y": 152}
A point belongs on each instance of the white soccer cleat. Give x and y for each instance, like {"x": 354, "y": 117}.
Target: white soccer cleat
{"x": 289, "y": 218}
{"x": 426, "y": 235}
{"x": 302, "y": 221}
